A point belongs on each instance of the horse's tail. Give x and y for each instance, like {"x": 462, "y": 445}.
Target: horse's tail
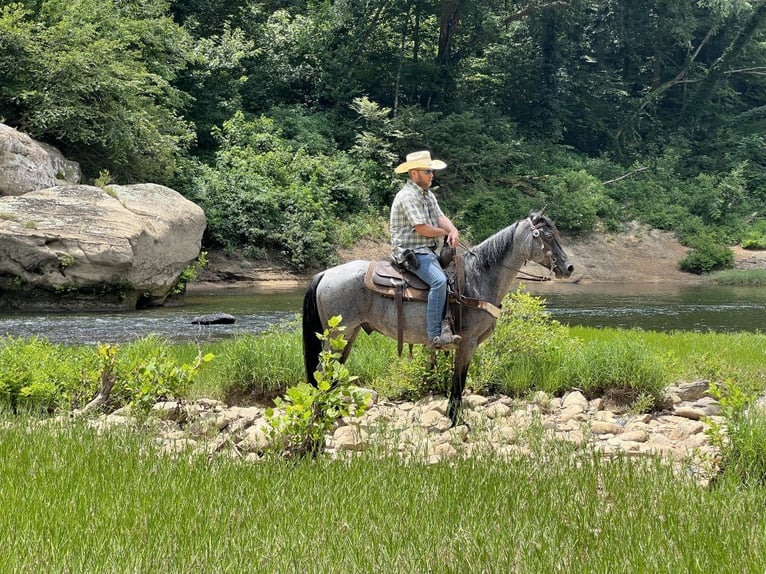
{"x": 312, "y": 324}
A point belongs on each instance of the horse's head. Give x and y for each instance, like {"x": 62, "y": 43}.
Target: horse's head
{"x": 545, "y": 248}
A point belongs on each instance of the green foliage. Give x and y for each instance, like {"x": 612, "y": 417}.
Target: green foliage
{"x": 621, "y": 368}
{"x": 258, "y": 367}
{"x": 427, "y": 373}
{"x": 190, "y": 273}
{"x": 754, "y": 237}
{"x": 741, "y": 437}
{"x": 37, "y": 376}
{"x": 98, "y": 78}
{"x": 527, "y": 350}
{"x": 301, "y": 419}
{"x": 157, "y": 377}
{"x": 263, "y": 191}
{"x": 707, "y": 255}
{"x": 576, "y": 200}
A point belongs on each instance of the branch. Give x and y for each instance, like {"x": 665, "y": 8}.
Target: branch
{"x": 759, "y": 71}
{"x": 635, "y": 171}
{"x": 108, "y": 378}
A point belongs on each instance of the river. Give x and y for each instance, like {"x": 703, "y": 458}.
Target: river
{"x": 660, "y": 307}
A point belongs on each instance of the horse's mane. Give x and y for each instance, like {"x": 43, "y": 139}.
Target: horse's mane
{"x": 493, "y": 249}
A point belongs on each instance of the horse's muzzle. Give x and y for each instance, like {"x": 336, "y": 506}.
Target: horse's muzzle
{"x": 563, "y": 271}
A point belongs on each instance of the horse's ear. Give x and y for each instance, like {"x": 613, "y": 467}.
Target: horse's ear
{"x": 535, "y": 216}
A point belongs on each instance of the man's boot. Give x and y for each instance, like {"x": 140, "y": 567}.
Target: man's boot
{"x": 446, "y": 341}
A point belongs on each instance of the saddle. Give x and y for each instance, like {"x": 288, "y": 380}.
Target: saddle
{"x": 388, "y": 280}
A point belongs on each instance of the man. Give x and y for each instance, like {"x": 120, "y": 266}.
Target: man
{"x": 417, "y": 228}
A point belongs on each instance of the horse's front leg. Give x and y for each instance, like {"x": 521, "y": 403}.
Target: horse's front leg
{"x": 454, "y": 405}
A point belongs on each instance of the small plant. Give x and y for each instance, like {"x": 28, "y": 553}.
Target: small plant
{"x": 306, "y": 413}
{"x": 65, "y": 260}
{"x": 190, "y": 273}
{"x": 643, "y": 403}
{"x": 161, "y": 378}
{"x": 741, "y": 438}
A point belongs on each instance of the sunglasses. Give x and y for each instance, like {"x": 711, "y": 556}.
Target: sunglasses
{"x": 426, "y": 171}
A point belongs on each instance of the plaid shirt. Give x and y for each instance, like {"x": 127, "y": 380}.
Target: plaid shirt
{"x": 413, "y": 206}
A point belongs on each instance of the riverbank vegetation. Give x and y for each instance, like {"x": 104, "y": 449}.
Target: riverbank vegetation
{"x": 557, "y": 507}
{"x": 284, "y": 120}
{"x": 528, "y": 352}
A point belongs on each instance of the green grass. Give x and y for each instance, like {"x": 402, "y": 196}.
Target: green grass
{"x": 739, "y": 277}
{"x": 76, "y": 502}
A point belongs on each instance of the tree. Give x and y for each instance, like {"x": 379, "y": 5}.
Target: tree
{"x": 96, "y": 80}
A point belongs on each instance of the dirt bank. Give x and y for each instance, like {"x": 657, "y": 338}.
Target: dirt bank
{"x": 638, "y": 254}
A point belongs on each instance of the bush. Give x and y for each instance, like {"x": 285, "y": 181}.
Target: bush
{"x": 300, "y": 420}
{"x": 527, "y": 349}
{"x": 706, "y": 256}
{"x": 38, "y": 376}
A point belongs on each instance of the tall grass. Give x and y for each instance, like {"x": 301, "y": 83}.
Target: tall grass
{"x": 739, "y": 277}
{"x": 76, "y": 502}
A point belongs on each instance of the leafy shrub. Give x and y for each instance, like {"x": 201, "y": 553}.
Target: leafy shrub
{"x": 428, "y": 373}
{"x": 527, "y": 349}
{"x": 301, "y": 419}
{"x": 38, "y": 376}
{"x": 707, "y": 255}
{"x": 755, "y": 236}
{"x": 576, "y": 199}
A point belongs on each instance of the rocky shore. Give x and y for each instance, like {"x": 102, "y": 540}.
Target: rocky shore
{"x": 494, "y": 425}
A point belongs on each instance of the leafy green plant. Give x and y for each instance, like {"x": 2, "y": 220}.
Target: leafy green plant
{"x": 707, "y": 255}
{"x": 36, "y": 375}
{"x": 300, "y": 420}
{"x": 428, "y": 372}
{"x": 190, "y": 273}
{"x": 741, "y": 437}
{"x": 527, "y": 349}
{"x": 145, "y": 372}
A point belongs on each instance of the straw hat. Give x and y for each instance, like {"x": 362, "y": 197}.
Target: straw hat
{"x": 419, "y": 160}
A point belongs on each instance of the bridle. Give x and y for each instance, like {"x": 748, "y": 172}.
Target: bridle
{"x": 536, "y": 233}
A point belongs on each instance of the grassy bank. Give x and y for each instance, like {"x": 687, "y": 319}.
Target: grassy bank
{"x": 78, "y": 502}
{"x": 739, "y": 277}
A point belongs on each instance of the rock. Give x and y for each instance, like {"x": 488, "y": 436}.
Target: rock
{"x": 690, "y": 391}
{"x": 214, "y": 319}
{"x": 78, "y": 246}
{"x": 27, "y": 165}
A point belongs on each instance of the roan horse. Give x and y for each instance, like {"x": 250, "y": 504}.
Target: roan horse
{"x": 490, "y": 269}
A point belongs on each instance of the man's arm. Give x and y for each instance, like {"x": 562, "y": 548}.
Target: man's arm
{"x": 445, "y": 229}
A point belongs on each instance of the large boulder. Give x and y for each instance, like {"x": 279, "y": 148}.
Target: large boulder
{"x": 78, "y": 246}
{"x": 27, "y": 165}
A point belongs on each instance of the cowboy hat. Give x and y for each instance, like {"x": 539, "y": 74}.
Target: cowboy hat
{"x": 419, "y": 160}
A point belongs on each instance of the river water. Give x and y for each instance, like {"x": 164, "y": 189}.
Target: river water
{"x": 662, "y": 307}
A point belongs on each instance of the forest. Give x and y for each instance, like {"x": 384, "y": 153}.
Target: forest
{"x": 284, "y": 119}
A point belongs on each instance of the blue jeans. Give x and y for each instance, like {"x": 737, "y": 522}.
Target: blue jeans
{"x": 431, "y": 272}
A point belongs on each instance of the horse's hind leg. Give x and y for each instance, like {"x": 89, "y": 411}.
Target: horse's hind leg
{"x": 350, "y": 338}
